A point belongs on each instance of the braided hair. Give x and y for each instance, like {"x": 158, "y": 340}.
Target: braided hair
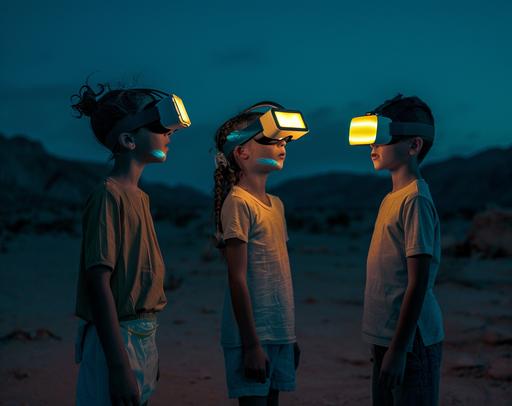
{"x": 228, "y": 174}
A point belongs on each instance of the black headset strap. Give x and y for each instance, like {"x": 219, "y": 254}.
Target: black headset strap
{"x": 261, "y": 104}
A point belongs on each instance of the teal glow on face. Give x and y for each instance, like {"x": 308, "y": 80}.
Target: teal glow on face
{"x": 269, "y": 162}
{"x": 158, "y": 154}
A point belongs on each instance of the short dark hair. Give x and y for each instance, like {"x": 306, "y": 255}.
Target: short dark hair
{"x": 411, "y": 110}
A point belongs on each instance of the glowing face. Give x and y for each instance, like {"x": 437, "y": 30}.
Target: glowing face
{"x": 151, "y": 147}
{"x": 269, "y": 162}
{"x": 159, "y": 154}
{"x": 268, "y": 157}
{"x": 258, "y": 158}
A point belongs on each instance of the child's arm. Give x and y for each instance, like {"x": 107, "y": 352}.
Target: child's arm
{"x": 393, "y": 364}
{"x": 255, "y": 360}
{"x": 122, "y": 383}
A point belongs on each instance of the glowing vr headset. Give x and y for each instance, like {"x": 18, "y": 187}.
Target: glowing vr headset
{"x": 275, "y": 124}
{"x": 170, "y": 112}
{"x": 375, "y": 129}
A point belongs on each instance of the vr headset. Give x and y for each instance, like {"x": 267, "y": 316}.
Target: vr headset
{"x": 169, "y": 112}
{"x": 275, "y": 124}
{"x": 374, "y": 128}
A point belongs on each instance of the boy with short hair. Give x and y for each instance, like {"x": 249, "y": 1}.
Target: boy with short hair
{"x": 402, "y": 319}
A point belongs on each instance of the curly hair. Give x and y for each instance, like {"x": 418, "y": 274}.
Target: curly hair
{"x": 226, "y": 176}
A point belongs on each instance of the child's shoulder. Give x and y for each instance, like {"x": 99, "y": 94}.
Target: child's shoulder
{"x": 276, "y": 200}
{"x": 106, "y": 189}
{"x": 418, "y": 190}
{"x": 235, "y": 198}
{"x": 236, "y": 194}
{"x": 418, "y": 196}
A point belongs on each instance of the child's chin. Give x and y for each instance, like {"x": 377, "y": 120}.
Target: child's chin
{"x": 377, "y": 166}
{"x": 273, "y": 168}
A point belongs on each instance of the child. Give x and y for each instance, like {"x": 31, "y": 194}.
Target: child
{"x": 258, "y": 326}
{"x": 120, "y": 284}
{"x": 402, "y": 319}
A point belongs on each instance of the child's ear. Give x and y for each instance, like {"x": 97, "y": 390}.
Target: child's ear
{"x": 127, "y": 141}
{"x": 416, "y": 145}
{"x": 241, "y": 153}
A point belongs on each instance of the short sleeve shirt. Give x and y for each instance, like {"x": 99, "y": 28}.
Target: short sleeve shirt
{"x": 407, "y": 225}
{"x": 118, "y": 233}
{"x": 269, "y": 279}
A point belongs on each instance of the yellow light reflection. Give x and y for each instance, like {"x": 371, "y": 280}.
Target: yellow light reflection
{"x": 287, "y": 119}
{"x": 181, "y": 110}
{"x": 363, "y": 130}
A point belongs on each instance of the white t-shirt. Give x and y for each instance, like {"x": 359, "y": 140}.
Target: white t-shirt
{"x": 269, "y": 280}
{"x": 407, "y": 225}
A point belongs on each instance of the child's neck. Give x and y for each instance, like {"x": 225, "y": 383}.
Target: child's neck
{"x": 255, "y": 184}
{"x": 127, "y": 172}
{"x": 403, "y": 175}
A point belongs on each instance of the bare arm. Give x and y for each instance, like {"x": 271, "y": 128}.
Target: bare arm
{"x": 254, "y": 356}
{"x": 394, "y": 361}
{"x": 123, "y": 386}
{"x": 417, "y": 272}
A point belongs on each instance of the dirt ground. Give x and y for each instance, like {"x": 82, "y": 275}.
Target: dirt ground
{"x": 37, "y": 291}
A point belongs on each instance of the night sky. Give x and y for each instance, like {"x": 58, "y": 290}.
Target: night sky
{"x": 332, "y": 60}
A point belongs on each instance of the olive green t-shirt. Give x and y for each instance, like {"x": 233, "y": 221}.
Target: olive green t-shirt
{"x": 118, "y": 232}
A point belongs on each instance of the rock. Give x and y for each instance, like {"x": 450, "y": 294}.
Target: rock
{"x": 22, "y": 335}
{"x": 44, "y": 333}
{"x": 501, "y": 369}
{"x": 491, "y": 233}
{"x": 207, "y": 310}
{"x": 465, "y": 365}
{"x": 19, "y": 374}
{"x": 17, "y": 335}
{"x": 497, "y": 336}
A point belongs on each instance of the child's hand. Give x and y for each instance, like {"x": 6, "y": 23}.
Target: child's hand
{"x": 392, "y": 369}
{"x": 256, "y": 365}
{"x": 123, "y": 387}
{"x": 296, "y": 353}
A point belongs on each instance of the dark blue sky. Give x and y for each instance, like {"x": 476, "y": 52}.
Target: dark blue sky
{"x": 331, "y": 60}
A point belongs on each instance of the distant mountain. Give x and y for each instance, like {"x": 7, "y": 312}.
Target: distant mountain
{"x": 31, "y": 177}
{"x": 464, "y": 185}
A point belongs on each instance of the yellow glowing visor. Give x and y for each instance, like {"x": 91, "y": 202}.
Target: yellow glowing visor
{"x": 173, "y": 116}
{"x": 370, "y": 129}
{"x": 278, "y": 124}
{"x": 375, "y": 129}
{"x": 170, "y": 112}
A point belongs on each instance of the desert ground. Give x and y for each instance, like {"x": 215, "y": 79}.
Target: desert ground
{"x": 37, "y": 291}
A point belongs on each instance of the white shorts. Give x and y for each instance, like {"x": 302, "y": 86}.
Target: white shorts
{"x": 282, "y": 371}
{"x": 139, "y": 340}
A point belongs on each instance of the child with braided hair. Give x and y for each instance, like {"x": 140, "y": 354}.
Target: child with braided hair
{"x": 258, "y": 323}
